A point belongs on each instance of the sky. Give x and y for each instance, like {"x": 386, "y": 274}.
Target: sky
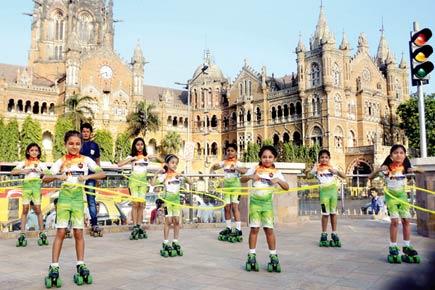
{"x": 173, "y": 34}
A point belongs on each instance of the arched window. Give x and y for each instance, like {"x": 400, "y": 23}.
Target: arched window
{"x": 279, "y": 112}
{"x": 336, "y": 74}
{"x": 214, "y": 121}
{"x": 44, "y": 108}
{"x": 20, "y": 106}
{"x": 297, "y": 138}
{"x": 169, "y": 121}
{"x": 298, "y": 110}
{"x": 85, "y": 27}
{"x": 338, "y": 137}
{"x": 186, "y": 122}
{"x": 286, "y": 137}
{"x": 286, "y": 111}
{"x": 59, "y": 24}
{"x": 316, "y": 105}
{"x": 198, "y": 150}
{"x": 175, "y": 122}
{"x": 275, "y": 139}
{"x": 35, "y": 108}
{"x": 248, "y": 116}
{"x": 315, "y": 74}
{"x": 316, "y": 136}
{"x": 351, "y": 142}
{"x": 258, "y": 113}
{"x": 234, "y": 118}
{"x": 273, "y": 113}
{"x": 292, "y": 110}
{"x": 51, "y": 109}
{"x": 11, "y": 105}
{"x": 337, "y": 105}
{"x": 226, "y": 122}
{"x": 28, "y": 107}
{"x": 214, "y": 149}
{"x": 259, "y": 141}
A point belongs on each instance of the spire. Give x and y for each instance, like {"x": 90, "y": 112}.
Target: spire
{"x": 208, "y": 58}
{"x": 344, "y": 42}
{"x": 322, "y": 34}
{"x": 383, "y": 49}
{"x": 403, "y": 62}
{"x": 300, "y": 46}
{"x": 391, "y": 59}
{"x": 138, "y": 55}
{"x": 363, "y": 44}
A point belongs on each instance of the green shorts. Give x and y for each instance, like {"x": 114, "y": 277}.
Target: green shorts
{"x": 261, "y": 213}
{"x": 328, "y": 198}
{"x": 231, "y": 185}
{"x": 396, "y": 209}
{"x": 172, "y": 210}
{"x": 70, "y": 208}
{"x": 138, "y": 185}
{"x": 31, "y": 192}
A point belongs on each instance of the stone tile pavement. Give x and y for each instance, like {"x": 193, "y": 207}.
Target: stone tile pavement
{"x": 118, "y": 263}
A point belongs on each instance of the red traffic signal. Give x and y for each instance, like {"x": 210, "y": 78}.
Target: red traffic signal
{"x": 419, "y": 52}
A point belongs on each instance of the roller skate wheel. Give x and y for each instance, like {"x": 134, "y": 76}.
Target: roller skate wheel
{"x": 239, "y": 239}
{"x": 48, "y": 283}
{"x": 24, "y": 243}
{"x": 89, "y": 279}
{"x": 40, "y": 242}
{"x": 269, "y": 267}
{"x": 78, "y": 279}
{"x": 173, "y": 253}
{"x": 18, "y": 244}
{"x": 248, "y": 267}
{"x": 180, "y": 253}
{"x": 46, "y": 242}
{"x": 256, "y": 267}
{"x": 278, "y": 268}
{"x": 58, "y": 283}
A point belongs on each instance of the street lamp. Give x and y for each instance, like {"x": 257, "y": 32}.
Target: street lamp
{"x": 186, "y": 86}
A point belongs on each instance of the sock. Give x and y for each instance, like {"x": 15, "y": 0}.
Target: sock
{"x": 228, "y": 222}
{"x": 251, "y": 251}
{"x": 272, "y": 252}
{"x": 239, "y": 226}
{"x": 175, "y": 241}
{"x": 324, "y": 233}
{"x": 393, "y": 244}
{"x": 334, "y": 233}
{"x": 80, "y": 263}
{"x": 407, "y": 243}
{"x": 165, "y": 242}
{"x": 54, "y": 264}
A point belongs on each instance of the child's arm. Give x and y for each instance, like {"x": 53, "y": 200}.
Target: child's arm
{"x": 157, "y": 158}
{"x": 377, "y": 171}
{"x": 188, "y": 180}
{"x": 19, "y": 169}
{"x": 216, "y": 166}
{"x": 51, "y": 178}
{"x": 283, "y": 184}
{"x": 96, "y": 176}
{"x": 242, "y": 170}
{"x": 126, "y": 161}
{"x": 338, "y": 172}
{"x": 415, "y": 170}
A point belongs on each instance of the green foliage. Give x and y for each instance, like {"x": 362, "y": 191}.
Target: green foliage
{"x": 251, "y": 153}
{"x": 171, "y": 143}
{"x": 2, "y": 144}
{"x": 122, "y": 146}
{"x": 31, "y": 132}
{"x": 105, "y": 140}
{"x": 10, "y": 142}
{"x": 408, "y": 112}
{"x": 267, "y": 142}
{"x": 144, "y": 119}
{"x": 78, "y": 110}
{"x": 63, "y": 125}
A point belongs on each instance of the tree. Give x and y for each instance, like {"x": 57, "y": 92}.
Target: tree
{"x": 105, "y": 140}
{"x": 143, "y": 120}
{"x": 267, "y": 142}
{"x": 122, "y": 146}
{"x": 63, "y": 125}
{"x": 11, "y": 141}
{"x": 408, "y": 112}
{"x": 171, "y": 143}
{"x": 251, "y": 153}
{"x": 31, "y": 132}
{"x": 77, "y": 109}
{"x": 2, "y": 143}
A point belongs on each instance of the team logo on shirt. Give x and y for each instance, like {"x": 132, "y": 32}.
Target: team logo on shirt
{"x": 271, "y": 175}
{"x": 80, "y": 165}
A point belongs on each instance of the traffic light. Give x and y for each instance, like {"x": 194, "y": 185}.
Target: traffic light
{"x": 419, "y": 52}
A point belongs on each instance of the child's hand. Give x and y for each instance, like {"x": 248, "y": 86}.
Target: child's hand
{"x": 133, "y": 158}
{"x": 332, "y": 170}
{"x": 255, "y": 177}
{"x": 62, "y": 177}
{"x": 83, "y": 178}
{"x": 274, "y": 181}
{"x": 384, "y": 169}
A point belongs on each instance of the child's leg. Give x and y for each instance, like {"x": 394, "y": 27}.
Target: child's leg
{"x": 236, "y": 212}
{"x": 57, "y": 245}
{"x": 141, "y": 206}
{"x": 253, "y": 238}
{"x": 406, "y": 229}
{"x": 176, "y": 223}
{"x": 24, "y": 217}
{"x": 166, "y": 228}
{"x": 270, "y": 237}
{"x": 80, "y": 244}
{"x": 333, "y": 222}
{"x": 324, "y": 223}
{"x": 37, "y": 210}
{"x": 227, "y": 209}
{"x": 134, "y": 211}
{"x": 393, "y": 230}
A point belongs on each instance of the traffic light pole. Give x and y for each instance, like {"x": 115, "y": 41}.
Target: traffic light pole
{"x": 422, "y": 120}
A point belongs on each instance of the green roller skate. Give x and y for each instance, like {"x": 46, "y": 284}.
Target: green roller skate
{"x": 224, "y": 234}
{"x": 335, "y": 241}
{"x": 21, "y": 242}
{"x": 394, "y": 257}
{"x": 176, "y": 246}
{"x": 142, "y": 234}
{"x": 134, "y": 233}
{"x": 235, "y": 236}
{"x": 410, "y": 255}
{"x": 83, "y": 275}
{"x": 273, "y": 265}
{"x": 324, "y": 240}
{"x": 53, "y": 278}
{"x": 42, "y": 240}
{"x": 167, "y": 251}
{"x": 251, "y": 263}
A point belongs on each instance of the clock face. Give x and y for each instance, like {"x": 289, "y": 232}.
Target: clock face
{"x": 366, "y": 75}
{"x": 106, "y": 72}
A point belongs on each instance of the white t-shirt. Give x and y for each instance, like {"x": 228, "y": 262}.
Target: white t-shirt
{"x": 396, "y": 178}
{"x": 37, "y": 168}
{"x": 322, "y": 173}
{"x": 229, "y": 168}
{"x": 171, "y": 182}
{"x": 75, "y": 167}
{"x": 266, "y": 175}
{"x": 140, "y": 165}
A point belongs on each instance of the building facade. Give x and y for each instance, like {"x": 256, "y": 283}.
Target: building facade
{"x": 344, "y": 102}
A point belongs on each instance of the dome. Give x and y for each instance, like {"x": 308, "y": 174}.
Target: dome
{"x": 213, "y": 71}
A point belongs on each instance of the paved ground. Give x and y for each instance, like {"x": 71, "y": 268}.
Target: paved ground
{"x": 118, "y": 263}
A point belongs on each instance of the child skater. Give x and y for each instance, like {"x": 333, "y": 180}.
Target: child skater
{"x": 171, "y": 181}
{"x": 264, "y": 177}
{"x": 394, "y": 170}
{"x": 138, "y": 184}
{"x": 32, "y": 168}
{"x": 326, "y": 173}
{"x": 232, "y": 170}
{"x": 72, "y": 170}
